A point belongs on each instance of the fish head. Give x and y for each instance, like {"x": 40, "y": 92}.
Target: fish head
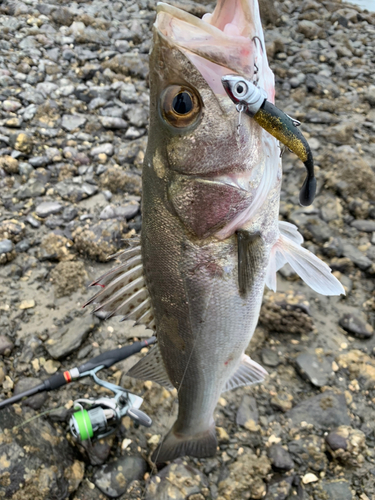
{"x": 207, "y": 159}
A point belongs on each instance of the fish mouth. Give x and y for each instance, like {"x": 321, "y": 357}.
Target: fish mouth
{"x": 230, "y": 40}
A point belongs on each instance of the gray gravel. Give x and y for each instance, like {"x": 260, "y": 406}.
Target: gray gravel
{"x": 73, "y": 130}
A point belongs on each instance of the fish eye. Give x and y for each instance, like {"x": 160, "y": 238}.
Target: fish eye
{"x": 180, "y": 106}
{"x": 240, "y": 89}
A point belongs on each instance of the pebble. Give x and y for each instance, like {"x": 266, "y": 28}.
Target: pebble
{"x": 6, "y": 246}
{"x": 112, "y": 122}
{"x": 309, "y": 478}
{"x": 313, "y": 369}
{"x": 355, "y": 326}
{"x": 247, "y": 413}
{"x": 336, "y": 489}
{"x": 69, "y": 338}
{"x": 35, "y": 402}
{"x": 72, "y": 122}
{"x": 48, "y": 208}
{"x": 27, "y": 304}
{"x": 6, "y": 345}
{"x": 114, "y": 478}
{"x": 368, "y": 226}
{"x": 280, "y": 458}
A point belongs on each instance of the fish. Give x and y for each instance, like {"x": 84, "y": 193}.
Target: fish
{"x": 211, "y": 239}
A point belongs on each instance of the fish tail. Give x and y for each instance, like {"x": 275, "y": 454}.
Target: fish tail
{"x": 176, "y": 445}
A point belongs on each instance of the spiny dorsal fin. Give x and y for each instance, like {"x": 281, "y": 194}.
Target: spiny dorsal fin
{"x": 312, "y": 270}
{"x": 123, "y": 289}
{"x": 250, "y": 259}
{"x": 249, "y": 372}
{"x": 151, "y": 367}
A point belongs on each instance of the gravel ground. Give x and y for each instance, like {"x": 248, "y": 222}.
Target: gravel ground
{"x": 73, "y": 130}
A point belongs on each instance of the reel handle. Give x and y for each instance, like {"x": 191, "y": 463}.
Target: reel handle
{"x": 139, "y": 417}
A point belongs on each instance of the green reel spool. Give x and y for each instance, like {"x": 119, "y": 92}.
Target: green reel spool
{"x": 82, "y": 424}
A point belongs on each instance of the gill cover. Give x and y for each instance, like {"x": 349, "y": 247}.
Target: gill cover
{"x": 255, "y": 104}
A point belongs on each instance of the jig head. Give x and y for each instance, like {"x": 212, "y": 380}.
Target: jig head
{"x": 277, "y": 123}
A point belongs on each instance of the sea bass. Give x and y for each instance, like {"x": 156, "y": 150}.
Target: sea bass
{"x": 211, "y": 239}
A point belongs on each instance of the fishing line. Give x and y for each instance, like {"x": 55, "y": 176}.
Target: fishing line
{"x": 186, "y": 367}
{"x": 25, "y": 422}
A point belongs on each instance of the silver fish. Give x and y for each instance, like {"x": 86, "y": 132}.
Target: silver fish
{"x": 211, "y": 239}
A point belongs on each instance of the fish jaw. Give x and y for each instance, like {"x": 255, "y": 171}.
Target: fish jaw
{"x": 228, "y": 40}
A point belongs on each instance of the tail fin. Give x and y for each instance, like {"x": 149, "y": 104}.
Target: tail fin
{"x": 177, "y": 445}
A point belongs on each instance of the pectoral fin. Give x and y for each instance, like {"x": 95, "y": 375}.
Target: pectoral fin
{"x": 312, "y": 270}
{"x": 250, "y": 259}
{"x": 249, "y": 372}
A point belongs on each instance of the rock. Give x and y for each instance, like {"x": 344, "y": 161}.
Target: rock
{"x": 48, "y": 208}
{"x": 355, "y": 326}
{"x": 63, "y": 16}
{"x": 68, "y": 277}
{"x": 76, "y": 191}
{"x": 31, "y": 189}
{"x": 22, "y": 141}
{"x": 6, "y": 345}
{"x": 10, "y": 105}
{"x": 309, "y": 452}
{"x": 313, "y": 369}
{"x": 129, "y": 64}
{"x": 123, "y": 212}
{"x": 270, "y": 357}
{"x": 280, "y": 458}
{"x": 334, "y": 490}
{"x": 35, "y": 402}
{"x": 370, "y": 95}
{"x": 246, "y": 474}
{"x": 279, "y": 490}
{"x": 286, "y": 314}
{"x": 309, "y": 29}
{"x": 347, "y": 445}
{"x": 113, "y": 479}
{"x": 356, "y": 256}
{"x": 368, "y": 226}
{"x": 55, "y": 247}
{"x": 68, "y": 338}
{"x": 178, "y": 481}
{"x": 106, "y": 149}
{"x": 247, "y": 413}
{"x": 360, "y": 366}
{"x": 9, "y": 164}
{"x": 324, "y": 411}
{"x": 27, "y": 304}
{"x": 113, "y": 122}
{"x": 6, "y": 246}
{"x": 101, "y": 240}
{"x": 72, "y": 122}
{"x": 37, "y": 455}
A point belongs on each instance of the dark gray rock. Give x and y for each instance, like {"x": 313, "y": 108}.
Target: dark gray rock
{"x": 32, "y": 221}
{"x": 75, "y": 191}
{"x": 247, "y": 411}
{"x": 368, "y": 226}
{"x": 356, "y": 256}
{"x": 68, "y": 338}
{"x": 315, "y": 370}
{"x": 69, "y": 213}
{"x": 31, "y": 189}
{"x": 334, "y": 490}
{"x": 324, "y": 411}
{"x": 48, "y": 208}
{"x": 113, "y": 479}
{"x": 270, "y": 357}
{"x": 336, "y": 442}
{"x": 178, "y": 481}
{"x": 280, "y": 458}
{"x": 280, "y": 490}
{"x": 35, "y": 402}
{"x": 6, "y": 345}
{"x": 355, "y": 326}
{"x": 5, "y": 246}
{"x": 309, "y": 452}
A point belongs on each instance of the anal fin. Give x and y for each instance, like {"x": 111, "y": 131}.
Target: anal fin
{"x": 151, "y": 367}
{"x": 248, "y": 373}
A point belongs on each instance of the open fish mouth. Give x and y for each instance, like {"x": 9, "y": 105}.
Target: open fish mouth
{"x": 230, "y": 40}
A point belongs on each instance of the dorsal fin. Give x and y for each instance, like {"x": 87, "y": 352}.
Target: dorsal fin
{"x": 123, "y": 289}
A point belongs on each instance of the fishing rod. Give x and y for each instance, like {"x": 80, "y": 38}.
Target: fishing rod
{"x": 96, "y": 418}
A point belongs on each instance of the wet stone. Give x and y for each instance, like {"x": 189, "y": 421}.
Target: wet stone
{"x": 113, "y": 479}
{"x": 48, "y": 208}
{"x": 6, "y": 246}
{"x": 336, "y": 441}
{"x": 355, "y": 326}
{"x": 270, "y": 357}
{"x": 35, "y": 402}
{"x": 280, "y": 458}
{"x": 247, "y": 413}
{"x": 68, "y": 338}
{"x": 314, "y": 369}
{"x": 368, "y": 226}
{"x": 337, "y": 489}
{"x": 324, "y": 411}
